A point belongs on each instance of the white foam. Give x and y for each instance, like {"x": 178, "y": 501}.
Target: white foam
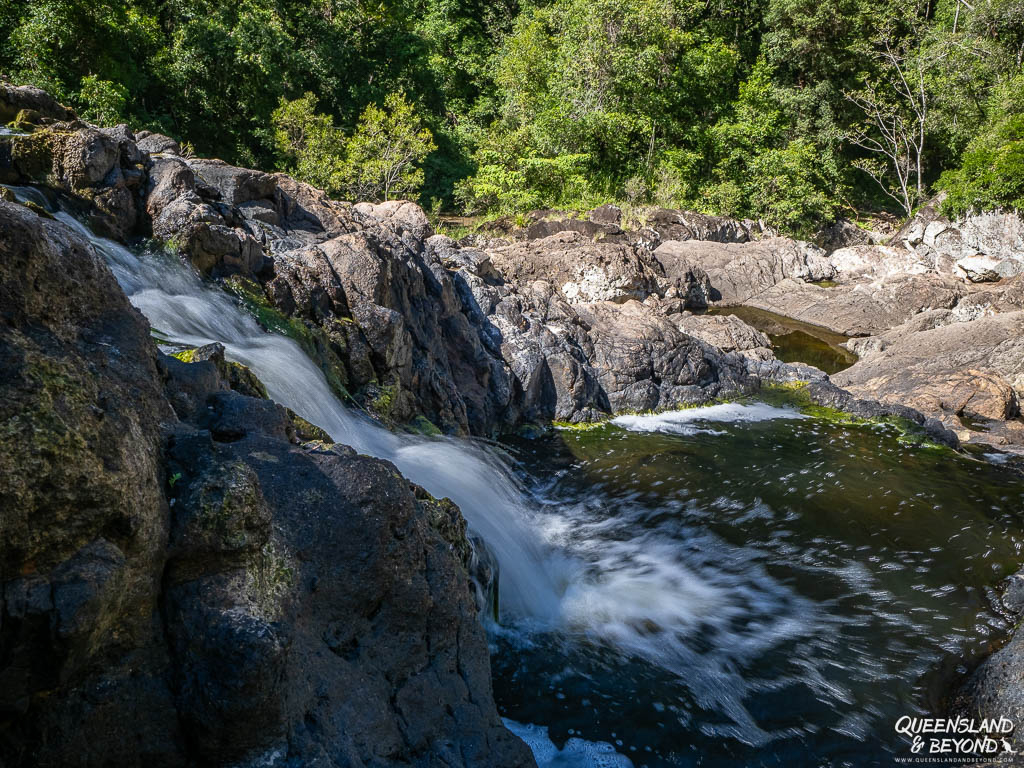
{"x": 577, "y": 753}
{"x": 997, "y": 458}
{"x": 686, "y": 422}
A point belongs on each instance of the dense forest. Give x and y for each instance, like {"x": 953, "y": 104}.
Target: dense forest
{"x": 791, "y": 111}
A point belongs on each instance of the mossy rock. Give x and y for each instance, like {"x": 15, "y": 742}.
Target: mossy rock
{"x": 239, "y": 377}
{"x": 796, "y": 394}
{"x": 421, "y": 425}
{"x": 379, "y": 400}
{"x": 269, "y": 577}
{"x": 32, "y": 155}
{"x": 308, "y": 432}
{"x": 223, "y": 510}
{"x": 445, "y": 517}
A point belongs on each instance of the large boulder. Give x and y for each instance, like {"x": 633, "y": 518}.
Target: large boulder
{"x": 670, "y": 224}
{"x": 102, "y": 169}
{"x": 82, "y": 658}
{"x": 996, "y": 688}
{"x": 234, "y": 185}
{"x": 584, "y": 271}
{"x": 37, "y": 104}
{"x": 727, "y": 333}
{"x": 316, "y": 614}
{"x": 862, "y": 307}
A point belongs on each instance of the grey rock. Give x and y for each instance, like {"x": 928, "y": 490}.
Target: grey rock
{"x": 949, "y": 370}
{"x": 14, "y": 99}
{"x": 739, "y": 272}
{"x": 157, "y": 144}
{"x": 236, "y": 185}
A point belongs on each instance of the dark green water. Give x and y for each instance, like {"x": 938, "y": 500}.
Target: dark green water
{"x": 797, "y": 342}
{"x": 775, "y": 592}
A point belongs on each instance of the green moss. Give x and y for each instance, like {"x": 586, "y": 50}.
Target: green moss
{"x": 583, "y": 426}
{"x": 32, "y": 155}
{"x": 307, "y": 431}
{"x": 825, "y": 283}
{"x": 229, "y": 509}
{"x": 185, "y": 355}
{"x": 379, "y": 400}
{"x": 421, "y": 425}
{"x": 445, "y": 517}
{"x": 794, "y": 394}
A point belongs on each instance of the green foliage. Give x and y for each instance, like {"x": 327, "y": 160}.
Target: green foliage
{"x": 383, "y": 156}
{"x": 746, "y": 108}
{"x": 313, "y": 147}
{"x": 991, "y": 174}
{"x": 102, "y": 101}
{"x": 381, "y": 161}
{"x": 767, "y": 167}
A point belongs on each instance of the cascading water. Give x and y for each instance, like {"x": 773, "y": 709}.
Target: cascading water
{"x": 180, "y": 307}
{"x": 704, "y": 587}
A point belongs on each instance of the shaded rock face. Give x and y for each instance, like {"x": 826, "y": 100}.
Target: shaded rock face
{"x": 183, "y": 583}
{"x": 83, "y": 516}
{"x": 995, "y": 689}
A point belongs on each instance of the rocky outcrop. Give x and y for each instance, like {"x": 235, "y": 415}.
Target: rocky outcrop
{"x": 860, "y": 308}
{"x": 422, "y": 331}
{"x": 967, "y": 373}
{"x": 184, "y": 582}
{"x": 83, "y": 514}
{"x": 565, "y": 315}
{"x": 28, "y": 105}
{"x": 980, "y": 248}
{"x": 728, "y": 333}
{"x": 740, "y": 272}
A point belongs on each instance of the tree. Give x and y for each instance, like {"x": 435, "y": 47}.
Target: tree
{"x": 383, "y": 156}
{"x": 310, "y": 143}
{"x": 895, "y": 107}
{"x": 102, "y": 101}
{"x": 991, "y": 174}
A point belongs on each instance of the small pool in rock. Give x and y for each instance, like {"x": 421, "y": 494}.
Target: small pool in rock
{"x": 794, "y": 341}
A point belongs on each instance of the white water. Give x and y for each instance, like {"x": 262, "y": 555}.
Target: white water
{"x": 686, "y": 422}
{"x": 180, "y": 307}
{"x": 577, "y": 753}
{"x": 559, "y": 571}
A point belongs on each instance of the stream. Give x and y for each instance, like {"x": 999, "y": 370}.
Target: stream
{"x": 724, "y": 586}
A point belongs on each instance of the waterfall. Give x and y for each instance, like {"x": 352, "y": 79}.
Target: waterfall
{"x": 182, "y": 308}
